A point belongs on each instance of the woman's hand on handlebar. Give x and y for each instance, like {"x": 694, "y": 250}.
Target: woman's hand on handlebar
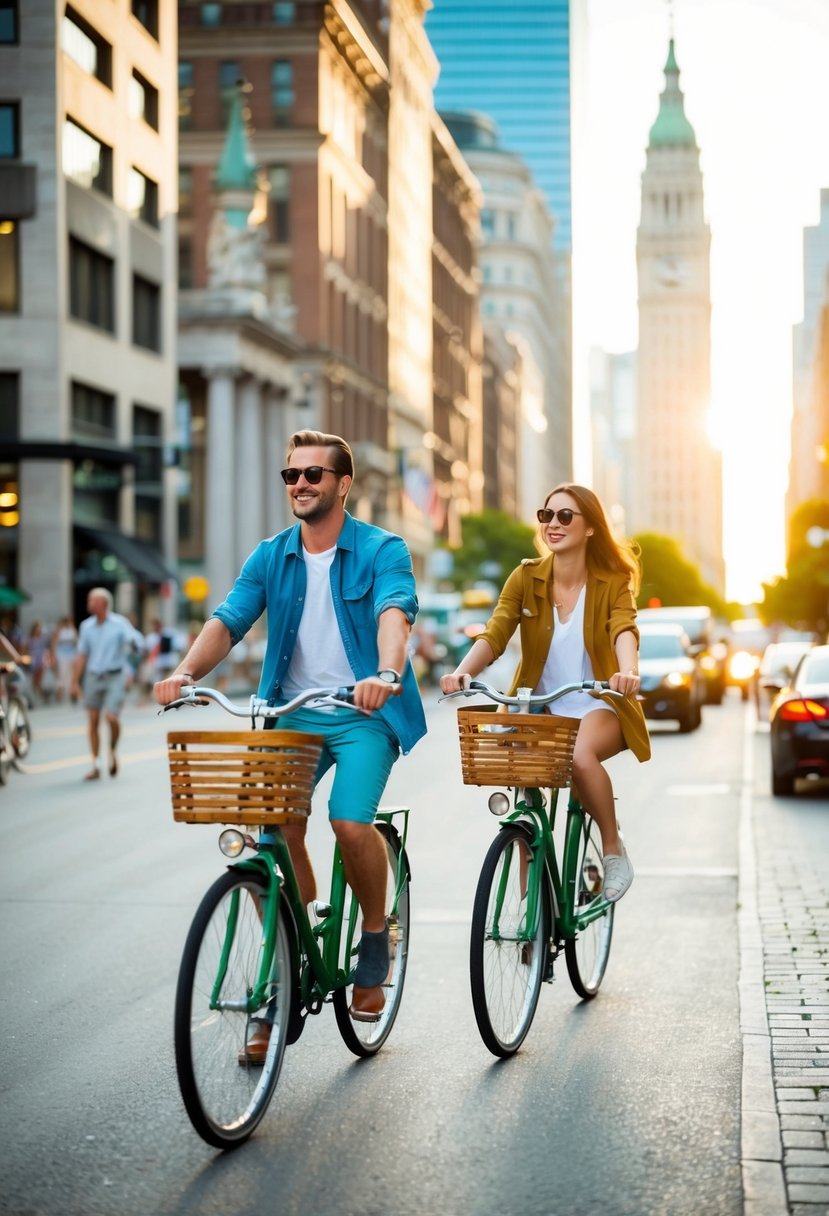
{"x": 625, "y": 682}
{"x": 455, "y": 682}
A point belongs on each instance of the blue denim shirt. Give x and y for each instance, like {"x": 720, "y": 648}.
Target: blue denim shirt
{"x": 371, "y": 571}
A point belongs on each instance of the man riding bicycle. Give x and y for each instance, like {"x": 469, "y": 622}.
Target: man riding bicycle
{"x": 340, "y": 601}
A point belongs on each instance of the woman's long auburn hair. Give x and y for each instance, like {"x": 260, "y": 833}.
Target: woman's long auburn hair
{"x": 604, "y": 551}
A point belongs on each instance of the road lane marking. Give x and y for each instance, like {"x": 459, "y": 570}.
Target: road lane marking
{"x": 699, "y": 791}
{"x": 686, "y": 871}
{"x": 53, "y": 766}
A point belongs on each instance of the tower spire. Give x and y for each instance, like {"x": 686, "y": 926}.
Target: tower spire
{"x": 672, "y": 126}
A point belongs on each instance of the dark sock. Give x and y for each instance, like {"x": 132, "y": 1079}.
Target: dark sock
{"x": 373, "y": 961}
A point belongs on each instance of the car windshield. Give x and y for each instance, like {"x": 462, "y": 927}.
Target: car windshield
{"x": 660, "y": 646}
{"x": 815, "y": 671}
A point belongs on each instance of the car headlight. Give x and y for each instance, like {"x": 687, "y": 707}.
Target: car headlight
{"x": 742, "y": 665}
{"x": 677, "y": 679}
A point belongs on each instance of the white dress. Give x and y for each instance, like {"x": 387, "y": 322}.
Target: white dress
{"x": 569, "y": 663}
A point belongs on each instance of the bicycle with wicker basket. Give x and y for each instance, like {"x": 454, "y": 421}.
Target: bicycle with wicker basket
{"x": 253, "y": 955}
{"x": 527, "y": 908}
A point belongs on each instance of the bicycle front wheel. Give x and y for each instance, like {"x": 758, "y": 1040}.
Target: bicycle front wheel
{"x": 507, "y": 955}
{"x": 366, "y": 1038}
{"x": 588, "y": 953}
{"x": 224, "y": 1093}
{"x": 20, "y": 729}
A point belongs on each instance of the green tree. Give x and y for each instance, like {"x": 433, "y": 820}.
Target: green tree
{"x": 668, "y": 576}
{"x": 800, "y": 599}
{"x": 493, "y": 544}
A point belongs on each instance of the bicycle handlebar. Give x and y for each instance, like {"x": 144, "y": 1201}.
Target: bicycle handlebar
{"x": 195, "y": 694}
{"x": 595, "y": 688}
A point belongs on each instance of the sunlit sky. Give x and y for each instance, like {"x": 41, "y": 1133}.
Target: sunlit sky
{"x": 755, "y": 74}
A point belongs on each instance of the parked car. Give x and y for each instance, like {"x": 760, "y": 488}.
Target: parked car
{"x": 777, "y": 666}
{"x": 698, "y": 622}
{"x": 800, "y": 724}
{"x": 672, "y": 685}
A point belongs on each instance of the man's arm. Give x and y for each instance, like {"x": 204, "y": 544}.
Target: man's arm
{"x": 213, "y": 644}
{"x": 393, "y": 630}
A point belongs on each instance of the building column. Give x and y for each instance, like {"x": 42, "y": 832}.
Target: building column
{"x": 250, "y": 459}
{"x": 219, "y": 538}
{"x": 277, "y": 406}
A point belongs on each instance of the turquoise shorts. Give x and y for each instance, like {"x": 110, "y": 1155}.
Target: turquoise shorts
{"x": 363, "y": 750}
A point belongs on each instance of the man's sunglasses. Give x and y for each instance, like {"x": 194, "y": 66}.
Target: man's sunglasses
{"x": 565, "y": 516}
{"x": 313, "y": 474}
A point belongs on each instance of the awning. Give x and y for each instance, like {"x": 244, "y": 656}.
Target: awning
{"x": 140, "y": 558}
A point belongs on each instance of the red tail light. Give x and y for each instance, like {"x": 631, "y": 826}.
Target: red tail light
{"x": 803, "y": 711}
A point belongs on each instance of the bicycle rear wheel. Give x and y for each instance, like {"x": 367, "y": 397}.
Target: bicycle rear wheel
{"x": 6, "y": 752}
{"x": 506, "y": 966}
{"x": 224, "y": 1095}
{"x": 20, "y": 729}
{"x": 588, "y": 953}
{"x": 366, "y": 1038}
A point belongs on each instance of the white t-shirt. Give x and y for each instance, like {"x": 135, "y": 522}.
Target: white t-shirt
{"x": 319, "y": 659}
{"x": 569, "y": 663}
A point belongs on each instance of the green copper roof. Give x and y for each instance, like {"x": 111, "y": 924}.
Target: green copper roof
{"x": 236, "y": 170}
{"x": 672, "y": 128}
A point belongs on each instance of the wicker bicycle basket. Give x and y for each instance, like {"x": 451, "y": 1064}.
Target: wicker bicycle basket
{"x": 516, "y": 749}
{"x": 252, "y": 777}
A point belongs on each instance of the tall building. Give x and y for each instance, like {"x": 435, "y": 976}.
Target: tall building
{"x": 809, "y": 463}
{"x": 679, "y": 472}
{"x": 511, "y": 62}
{"x": 87, "y": 302}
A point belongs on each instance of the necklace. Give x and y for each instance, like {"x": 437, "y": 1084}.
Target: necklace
{"x": 560, "y": 603}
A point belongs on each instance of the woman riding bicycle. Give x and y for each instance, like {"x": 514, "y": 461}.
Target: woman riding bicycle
{"x": 576, "y": 610}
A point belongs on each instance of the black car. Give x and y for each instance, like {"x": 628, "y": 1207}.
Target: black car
{"x": 799, "y": 718}
{"x": 698, "y": 622}
{"x": 671, "y": 683}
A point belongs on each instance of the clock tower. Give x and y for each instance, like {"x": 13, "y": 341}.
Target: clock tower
{"x": 678, "y": 469}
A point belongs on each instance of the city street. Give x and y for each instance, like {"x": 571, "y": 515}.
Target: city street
{"x": 631, "y": 1105}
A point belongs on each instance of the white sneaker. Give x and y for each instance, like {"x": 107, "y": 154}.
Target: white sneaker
{"x": 618, "y": 875}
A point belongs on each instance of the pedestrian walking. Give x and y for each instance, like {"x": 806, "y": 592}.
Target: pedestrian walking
{"x": 65, "y": 646}
{"x": 105, "y": 642}
{"x": 576, "y": 611}
{"x": 340, "y": 600}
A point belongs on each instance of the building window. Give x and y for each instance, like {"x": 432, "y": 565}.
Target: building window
{"x": 8, "y": 21}
{"x": 91, "y": 286}
{"x": 142, "y": 197}
{"x": 280, "y": 203}
{"x": 143, "y": 100}
{"x": 93, "y": 414}
{"x": 185, "y": 96}
{"x": 9, "y": 129}
{"x": 9, "y": 405}
{"x": 487, "y": 222}
{"x": 82, "y": 42}
{"x": 9, "y": 266}
{"x": 211, "y": 14}
{"x": 146, "y": 313}
{"x": 146, "y": 13}
{"x": 282, "y": 91}
{"x": 185, "y": 263}
{"x": 229, "y": 79}
{"x": 185, "y": 190}
{"x": 86, "y": 160}
{"x": 148, "y": 447}
{"x": 283, "y": 12}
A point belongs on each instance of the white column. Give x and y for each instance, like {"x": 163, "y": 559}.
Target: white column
{"x": 277, "y": 515}
{"x": 219, "y": 541}
{"x": 249, "y": 501}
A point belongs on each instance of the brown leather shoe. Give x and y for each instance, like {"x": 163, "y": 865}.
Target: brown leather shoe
{"x": 367, "y": 1003}
{"x": 256, "y": 1049}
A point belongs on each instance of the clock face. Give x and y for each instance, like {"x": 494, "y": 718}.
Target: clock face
{"x": 672, "y": 271}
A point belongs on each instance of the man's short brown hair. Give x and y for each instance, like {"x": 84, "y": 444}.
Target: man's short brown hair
{"x": 342, "y": 457}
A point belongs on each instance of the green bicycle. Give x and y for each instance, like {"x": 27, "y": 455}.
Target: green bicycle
{"x": 252, "y": 954}
{"x": 527, "y": 910}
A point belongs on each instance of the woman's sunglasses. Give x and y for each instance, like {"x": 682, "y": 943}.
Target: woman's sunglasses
{"x": 313, "y": 474}
{"x": 565, "y": 516}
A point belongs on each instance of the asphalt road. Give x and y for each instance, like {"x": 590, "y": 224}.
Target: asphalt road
{"x": 629, "y": 1104}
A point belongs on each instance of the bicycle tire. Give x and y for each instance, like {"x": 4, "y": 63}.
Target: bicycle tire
{"x": 20, "y": 729}
{"x": 226, "y": 1099}
{"x": 6, "y": 751}
{"x": 588, "y": 952}
{"x": 505, "y": 969}
{"x": 366, "y": 1038}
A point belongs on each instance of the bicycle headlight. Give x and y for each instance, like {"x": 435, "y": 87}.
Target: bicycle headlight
{"x": 232, "y": 842}
{"x": 498, "y": 803}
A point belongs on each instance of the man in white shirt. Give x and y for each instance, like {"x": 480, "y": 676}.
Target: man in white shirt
{"x": 105, "y": 640}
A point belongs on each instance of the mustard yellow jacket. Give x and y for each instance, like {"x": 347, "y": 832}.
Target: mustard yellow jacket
{"x": 609, "y": 610}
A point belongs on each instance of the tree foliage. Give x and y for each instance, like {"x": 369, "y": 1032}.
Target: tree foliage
{"x": 493, "y": 544}
{"x": 800, "y": 599}
{"x": 669, "y": 577}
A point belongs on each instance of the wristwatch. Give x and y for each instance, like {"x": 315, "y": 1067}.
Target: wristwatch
{"x": 389, "y": 675}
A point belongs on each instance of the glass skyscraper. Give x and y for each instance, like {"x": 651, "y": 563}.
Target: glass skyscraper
{"x": 510, "y": 59}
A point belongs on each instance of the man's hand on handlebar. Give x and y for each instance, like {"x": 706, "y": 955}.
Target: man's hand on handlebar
{"x": 169, "y": 689}
{"x": 373, "y": 693}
